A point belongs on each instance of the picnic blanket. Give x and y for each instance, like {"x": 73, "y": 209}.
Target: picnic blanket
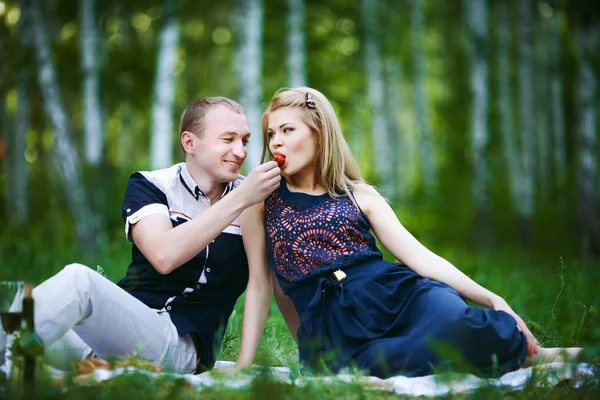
{"x": 429, "y": 386}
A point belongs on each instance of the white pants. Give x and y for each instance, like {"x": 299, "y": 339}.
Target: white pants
{"x": 79, "y": 312}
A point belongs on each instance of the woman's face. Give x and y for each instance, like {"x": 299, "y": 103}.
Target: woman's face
{"x": 289, "y": 136}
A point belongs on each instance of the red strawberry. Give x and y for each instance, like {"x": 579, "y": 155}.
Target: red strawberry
{"x": 280, "y": 159}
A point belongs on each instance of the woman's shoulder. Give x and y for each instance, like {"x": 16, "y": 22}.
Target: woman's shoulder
{"x": 366, "y": 192}
{"x": 367, "y": 197}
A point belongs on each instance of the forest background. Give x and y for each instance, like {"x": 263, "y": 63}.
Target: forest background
{"x": 477, "y": 120}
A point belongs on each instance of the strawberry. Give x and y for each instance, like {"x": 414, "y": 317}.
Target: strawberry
{"x": 280, "y": 159}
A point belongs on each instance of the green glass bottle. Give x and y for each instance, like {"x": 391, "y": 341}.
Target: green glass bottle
{"x": 27, "y": 350}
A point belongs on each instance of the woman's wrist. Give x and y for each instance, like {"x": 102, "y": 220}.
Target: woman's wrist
{"x": 497, "y": 301}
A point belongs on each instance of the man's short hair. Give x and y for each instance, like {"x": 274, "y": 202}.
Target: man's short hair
{"x": 192, "y": 119}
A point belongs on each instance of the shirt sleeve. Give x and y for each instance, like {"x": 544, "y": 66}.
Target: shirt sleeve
{"x": 142, "y": 198}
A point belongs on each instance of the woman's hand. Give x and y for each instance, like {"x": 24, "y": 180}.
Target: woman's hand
{"x": 532, "y": 342}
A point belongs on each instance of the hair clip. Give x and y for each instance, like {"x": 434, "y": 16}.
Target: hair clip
{"x": 309, "y": 101}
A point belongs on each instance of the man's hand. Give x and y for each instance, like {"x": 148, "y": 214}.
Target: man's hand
{"x": 260, "y": 183}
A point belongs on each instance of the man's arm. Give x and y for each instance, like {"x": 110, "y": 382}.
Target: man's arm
{"x": 167, "y": 247}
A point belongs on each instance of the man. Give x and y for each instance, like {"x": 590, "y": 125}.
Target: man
{"x": 188, "y": 262}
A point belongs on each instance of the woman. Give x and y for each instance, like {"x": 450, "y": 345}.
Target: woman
{"x": 356, "y": 309}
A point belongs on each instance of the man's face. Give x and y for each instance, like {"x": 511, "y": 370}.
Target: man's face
{"x": 221, "y": 150}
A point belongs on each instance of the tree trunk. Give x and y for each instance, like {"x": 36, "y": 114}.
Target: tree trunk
{"x": 478, "y": 25}
{"x": 507, "y": 126}
{"x": 394, "y": 104}
{"x": 558, "y": 112}
{"x": 420, "y": 100}
{"x": 20, "y": 169}
{"x": 296, "y": 43}
{"x": 380, "y": 133}
{"x": 542, "y": 110}
{"x": 161, "y": 143}
{"x": 125, "y": 140}
{"x": 526, "y": 186}
{"x": 588, "y": 41}
{"x": 6, "y": 146}
{"x": 356, "y": 130}
{"x": 248, "y": 61}
{"x": 125, "y": 85}
{"x": 93, "y": 132}
{"x": 65, "y": 155}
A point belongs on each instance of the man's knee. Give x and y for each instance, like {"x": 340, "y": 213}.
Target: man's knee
{"x": 76, "y": 269}
{"x": 78, "y": 275}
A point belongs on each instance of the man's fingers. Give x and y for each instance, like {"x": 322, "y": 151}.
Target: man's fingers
{"x": 269, "y": 165}
{"x": 274, "y": 185}
{"x": 273, "y": 172}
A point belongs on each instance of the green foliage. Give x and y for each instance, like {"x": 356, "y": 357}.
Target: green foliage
{"x": 545, "y": 281}
{"x": 334, "y": 37}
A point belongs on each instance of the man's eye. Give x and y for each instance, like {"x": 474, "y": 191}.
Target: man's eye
{"x": 228, "y": 140}
{"x": 245, "y": 141}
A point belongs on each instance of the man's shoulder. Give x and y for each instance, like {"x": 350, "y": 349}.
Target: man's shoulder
{"x": 161, "y": 178}
{"x": 161, "y": 175}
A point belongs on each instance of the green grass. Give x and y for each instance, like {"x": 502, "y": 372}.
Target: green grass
{"x": 558, "y": 298}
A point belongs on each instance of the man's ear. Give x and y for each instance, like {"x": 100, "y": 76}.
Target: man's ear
{"x": 187, "y": 141}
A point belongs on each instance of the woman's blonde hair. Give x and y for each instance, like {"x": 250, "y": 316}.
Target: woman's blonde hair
{"x": 336, "y": 168}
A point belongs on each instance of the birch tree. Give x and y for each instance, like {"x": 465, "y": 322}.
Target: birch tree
{"x": 125, "y": 85}
{"x": 588, "y": 39}
{"x": 526, "y": 187}
{"x": 420, "y": 99}
{"x": 542, "y": 107}
{"x": 20, "y": 169}
{"x": 6, "y": 154}
{"x": 93, "y": 126}
{"x": 395, "y": 103}
{"x": 380, "y": 131}
{"x": 518, "y": 157}
{"x": 248, "y": 18}
{"x": 478, "y": 26}
{"x": 557, "y": 104}
{"x": 356, "y": 129}
{"x": 296, "y": 43}
{"x": 506, "y": 120}
{"x": 65, "y": 155}
{"x": 161, "y": 143}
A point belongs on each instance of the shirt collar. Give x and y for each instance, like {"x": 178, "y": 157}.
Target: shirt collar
{"x": 191, "y": 186}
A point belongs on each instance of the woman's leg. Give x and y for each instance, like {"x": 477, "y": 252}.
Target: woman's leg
{"x": 108, "y": 319}
{"x": 555, "y": 354}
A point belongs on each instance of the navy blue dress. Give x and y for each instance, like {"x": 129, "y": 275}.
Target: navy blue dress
{"x": 383, "y": 317}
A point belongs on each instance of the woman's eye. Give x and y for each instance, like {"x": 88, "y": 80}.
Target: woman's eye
{"x": 227, "y": 140}
{"x": 270, "y": 135}
{"x": 286, "y": 130}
